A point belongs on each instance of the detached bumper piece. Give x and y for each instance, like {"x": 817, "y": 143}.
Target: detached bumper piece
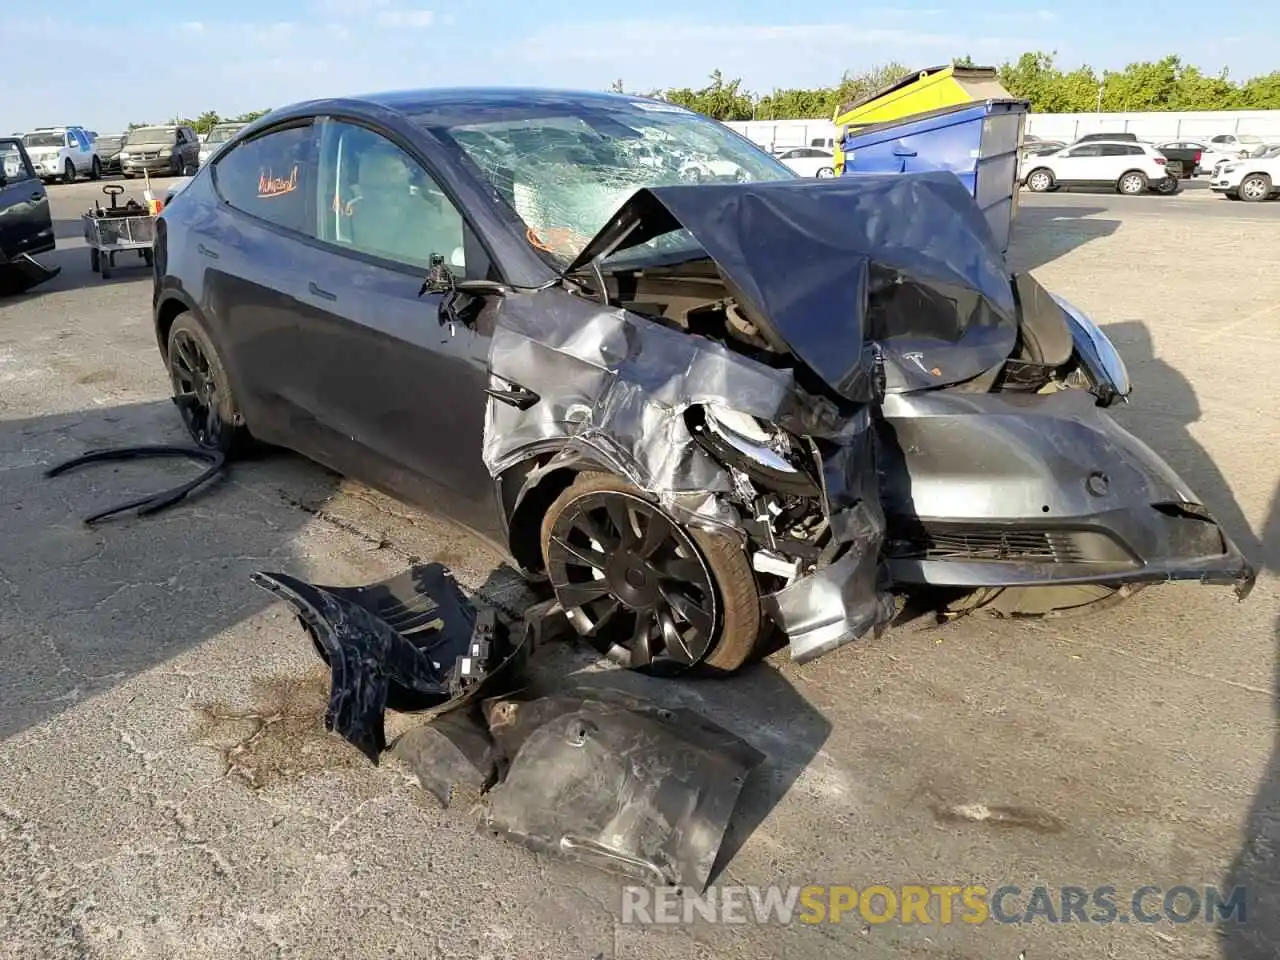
{"x": 213, "y": 460}
{"x": 599, "y": 777}
{"x": 414, "y": 642}
{"x": 22, "y": 273}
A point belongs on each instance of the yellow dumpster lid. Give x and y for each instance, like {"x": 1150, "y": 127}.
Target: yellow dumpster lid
{"x": 979, "y": 82}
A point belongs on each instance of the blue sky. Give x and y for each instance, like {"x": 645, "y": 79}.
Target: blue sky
{"x": 237, "y": 55}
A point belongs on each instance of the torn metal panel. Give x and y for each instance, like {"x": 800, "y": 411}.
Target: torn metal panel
{"x": 634, "y": 789}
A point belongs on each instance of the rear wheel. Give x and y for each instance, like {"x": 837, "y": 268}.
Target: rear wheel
{"x": 202, "y": 390}
{"x": 826, "y": 173}
{"x": 1069, "y": 600}
{"x": 69, "y": 173}
{"x": 643, "y": 590}
{"x": 1255, "y": 187}
{"x": 95, "y": 170}
{"x": 1132, "y": 183}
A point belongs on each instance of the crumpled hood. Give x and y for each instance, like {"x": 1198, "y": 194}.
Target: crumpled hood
{"x": 803, "y": 258}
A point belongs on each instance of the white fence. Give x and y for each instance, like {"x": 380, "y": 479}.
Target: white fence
{"x": 779, "y": 134}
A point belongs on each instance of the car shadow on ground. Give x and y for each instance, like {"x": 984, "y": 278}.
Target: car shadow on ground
{"x": 85, "y": 608}
{"x": 1043, "y": 234}
{"x": 1163, "y": 409}
{"x": 1256, "y": 867}
{"x": 1169, "y": 406}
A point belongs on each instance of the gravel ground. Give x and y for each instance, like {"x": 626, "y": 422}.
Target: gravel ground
{"x": 169, "y": 790}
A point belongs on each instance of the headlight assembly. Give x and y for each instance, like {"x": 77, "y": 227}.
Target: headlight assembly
{"x": 1099, "y": 356}
{"x": 762, "y": 451}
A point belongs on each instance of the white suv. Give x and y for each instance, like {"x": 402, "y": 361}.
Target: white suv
{"x": 64, "y": 152}
{"x": 1253, "y": 179}
{"x": 1129, "y": 167}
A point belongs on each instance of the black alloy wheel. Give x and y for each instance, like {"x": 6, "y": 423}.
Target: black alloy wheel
{"x": 634, "y": 582}
{"x": 198, "y": 390}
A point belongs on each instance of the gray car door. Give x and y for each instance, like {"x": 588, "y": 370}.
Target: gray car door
{"x": 26, "y": 225}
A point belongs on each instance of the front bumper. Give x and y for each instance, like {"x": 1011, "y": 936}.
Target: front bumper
{"x": 152, "y": 165}
{"x": 986, "y": 490}
{"x": 1223, "y": 185}
{"x": 53, "y": 167}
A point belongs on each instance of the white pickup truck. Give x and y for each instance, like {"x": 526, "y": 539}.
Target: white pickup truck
{"x": 62, "y": 152}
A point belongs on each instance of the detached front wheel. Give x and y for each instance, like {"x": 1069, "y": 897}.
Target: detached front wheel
{"x": 641, "y": 588}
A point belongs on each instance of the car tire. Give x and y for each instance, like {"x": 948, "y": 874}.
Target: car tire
{"x": 1255, "y": 188}
{"x": 826, "y": 173}
{"x": 69, "y": 172}
{"x": 1133, "y": 183}
{"x": 202, "y": 389}
{"x": 95, "y": 169}
{"x": 1040, "y": 180}
{"x": 715, "y": 576}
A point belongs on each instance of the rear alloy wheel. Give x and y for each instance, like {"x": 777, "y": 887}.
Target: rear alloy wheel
{"x": 1042, "y": 603}
{"x": 1040, "y": 180}
{"x": 1132, "y": 183}
{"x": 201, "y": 389}
{"x": 826, "y": 173}
{"x": 1255, "y": 187}
{"x": 643, "y": 590}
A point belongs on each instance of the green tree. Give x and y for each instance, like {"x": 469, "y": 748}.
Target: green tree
{"x": 206, "y": 121}
{"x": 251, "y": 116}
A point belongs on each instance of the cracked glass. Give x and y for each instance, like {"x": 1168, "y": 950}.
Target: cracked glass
{"x": 566, "y": 173}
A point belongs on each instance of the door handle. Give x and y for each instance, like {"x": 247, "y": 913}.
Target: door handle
{"x": 206, "y": 251}
{"x": 325, "y": 294}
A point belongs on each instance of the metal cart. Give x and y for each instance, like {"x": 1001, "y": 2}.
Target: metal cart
{"x": 117, "y": 229}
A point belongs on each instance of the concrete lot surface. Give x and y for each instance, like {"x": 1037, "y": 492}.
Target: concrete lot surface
{"x": 168, "y": 790}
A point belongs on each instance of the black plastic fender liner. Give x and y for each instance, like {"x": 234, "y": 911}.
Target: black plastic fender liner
{"x": 620, "y": 785}
{"x": 213, "y": 460}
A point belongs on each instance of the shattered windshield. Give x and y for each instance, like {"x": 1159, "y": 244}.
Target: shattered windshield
{"x": 565, "y": 174}
{"x": 150, "y": 135}
{"x": 43, "y": 140}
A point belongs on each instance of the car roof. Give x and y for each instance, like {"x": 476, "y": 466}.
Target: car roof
{"x": 445, "y": 106}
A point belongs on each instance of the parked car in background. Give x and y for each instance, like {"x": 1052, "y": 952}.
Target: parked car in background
{"x": 1269, "y": 153}
{"x": 217, "y": 136}
{"x": 1239, "y": 145}
{"x": 169, "y": 149}
{"x": 809, "y": 161}
{"x": 1210, "y": 154}
{"x": 1110, "y": 137}
{"x": 1041, "y": 148}
{"x": 26, "y": 224}
{"x": 1128, "y": 166}
{"x": 62, "y": 153}
{"x": 1253, "y": 179}
{"x": 109, "y": 148}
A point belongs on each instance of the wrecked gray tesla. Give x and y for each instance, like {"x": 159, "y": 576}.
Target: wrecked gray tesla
{"x": 701, "y": 396}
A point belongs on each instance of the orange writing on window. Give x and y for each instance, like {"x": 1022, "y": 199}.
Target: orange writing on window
{"x": 269, "y": 186}
{"x": 555, "y": 240}
{"x": 343, "y": 209}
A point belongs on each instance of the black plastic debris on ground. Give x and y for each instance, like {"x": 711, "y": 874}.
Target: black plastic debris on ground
{"x": 601, "y": 778}
{"x": 214, "y": 463}
{"x": 22, "y": 273}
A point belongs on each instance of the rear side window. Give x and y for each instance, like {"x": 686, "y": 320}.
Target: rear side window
{"x": 271, "y": 177}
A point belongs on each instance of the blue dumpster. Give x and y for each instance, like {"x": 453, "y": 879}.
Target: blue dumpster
{"x": 978, "y": 142}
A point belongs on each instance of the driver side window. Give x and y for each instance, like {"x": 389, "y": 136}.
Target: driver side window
{"x": 377, "y": 200}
